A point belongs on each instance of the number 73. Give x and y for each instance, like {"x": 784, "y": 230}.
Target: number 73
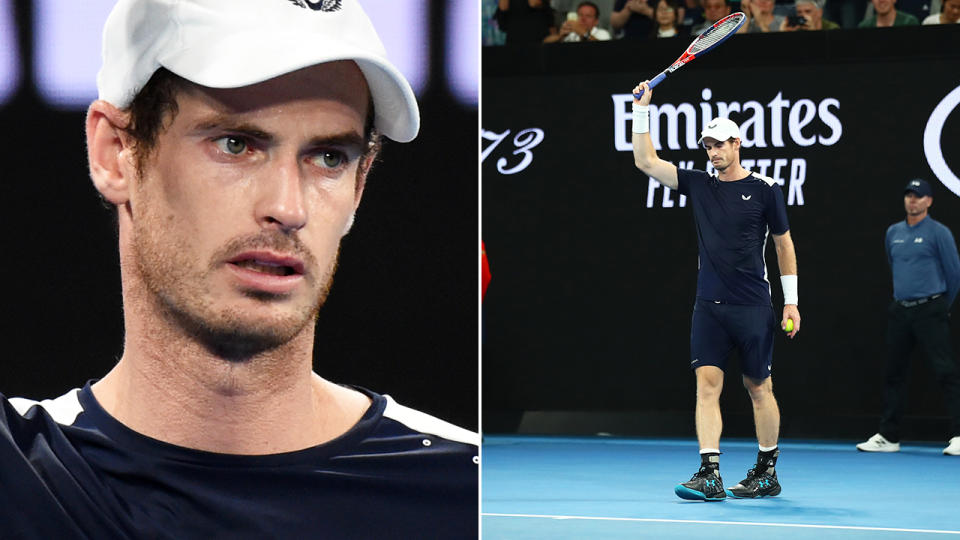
{"x": 524, "y": 141}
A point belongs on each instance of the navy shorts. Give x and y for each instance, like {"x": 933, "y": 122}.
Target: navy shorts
{"x": 718, "y": 329}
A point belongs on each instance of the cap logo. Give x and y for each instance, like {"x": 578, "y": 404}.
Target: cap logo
{"x": 319, "y": 5}
{"x": 914, "y": 183}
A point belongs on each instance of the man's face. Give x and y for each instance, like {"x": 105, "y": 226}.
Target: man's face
{"x": 915, "y": 205}
{"x": 951, "y": 10}
{"x": 811, "y": 13}
{"x": 238, "y": 216}
{"x": 587, "y": 17}
{"x": 714, "y": 10}
{"x": 765, "y": 6}
{"x": 722, "y": 154}
{"x": 882, "y": 7}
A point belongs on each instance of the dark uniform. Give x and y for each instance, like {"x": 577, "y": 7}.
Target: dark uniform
{"x": 70, "y": 470}
{"x": 733, "y": 307}
{"x": 926, "y": 277}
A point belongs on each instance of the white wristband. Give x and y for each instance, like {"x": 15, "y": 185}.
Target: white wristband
{"x": 641, "y": 118}
{"x": 789, "y": 284}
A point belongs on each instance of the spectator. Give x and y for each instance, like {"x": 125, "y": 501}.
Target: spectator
{"x": 690, "y": 13}
{"x": 848, "y": 13}
{"x": 713, "y": 11}
{"x": 525, "y": 21}
{"x": 949, "y": 15}
{"x": 918, "y": 8}
{"x": 632, "y": 18}
{"x": 584, "y": 28}
{"x": 810, "y": 13}
{"x": 492, "y": 35}
{"x": 886, "y": 15}
{"x": 760, "y": 16}
{"x": 666, "y": 17}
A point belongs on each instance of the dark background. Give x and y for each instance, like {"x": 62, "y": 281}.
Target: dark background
{"x": 401, "y": 317}
{"x": 586, "y": 321}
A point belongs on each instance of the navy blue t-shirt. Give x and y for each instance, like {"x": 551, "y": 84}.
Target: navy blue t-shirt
{"x": 70, "y": 470}
{"x": 732, "y": 221}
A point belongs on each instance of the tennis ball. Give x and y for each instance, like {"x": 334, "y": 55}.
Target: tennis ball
{"x": 789, "y": 327}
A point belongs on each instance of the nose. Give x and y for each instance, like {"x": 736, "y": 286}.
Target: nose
{"x": 281, "y": 202}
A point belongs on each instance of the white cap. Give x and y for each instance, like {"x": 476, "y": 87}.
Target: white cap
{"x": 229, "y": 44}
{"x": 721, "y": 129}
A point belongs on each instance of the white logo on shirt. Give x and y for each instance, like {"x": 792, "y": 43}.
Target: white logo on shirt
{"x": 898, "y": 241}
{"x": 745, "y": 197}
{"x": 918, "y": 240}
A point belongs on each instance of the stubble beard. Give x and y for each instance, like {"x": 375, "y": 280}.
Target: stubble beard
{"x": 179, "y": 288}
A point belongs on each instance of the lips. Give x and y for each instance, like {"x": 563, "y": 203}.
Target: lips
{"x": 268, "y": 263}
{"x": 265, "y": 268}
{"x": 267, "y": 272}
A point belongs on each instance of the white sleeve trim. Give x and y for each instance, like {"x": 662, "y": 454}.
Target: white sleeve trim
{"x": 770, "y": 181}
{"x": 64, "y": 409}
{"x": 424, "y": 423}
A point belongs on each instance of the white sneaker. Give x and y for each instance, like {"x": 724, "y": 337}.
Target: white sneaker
{"x": 878, "y": 443}
{"x": 953, "y": 449}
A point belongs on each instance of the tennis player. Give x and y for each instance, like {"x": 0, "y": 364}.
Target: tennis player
{"x": 734, "y": 210}
{"x": 233, "y": 140}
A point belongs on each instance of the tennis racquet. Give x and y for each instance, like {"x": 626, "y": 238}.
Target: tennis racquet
{"x": 708, "y": 40}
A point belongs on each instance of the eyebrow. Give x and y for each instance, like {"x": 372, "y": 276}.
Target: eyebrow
{"x": 225, "y": 123}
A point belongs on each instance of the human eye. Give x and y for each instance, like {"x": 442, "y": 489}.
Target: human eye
{"x": 329, "y": 159}
{"x": 231, "y": 145}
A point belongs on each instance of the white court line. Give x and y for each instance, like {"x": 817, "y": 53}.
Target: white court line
{"x": 655, "y": 520}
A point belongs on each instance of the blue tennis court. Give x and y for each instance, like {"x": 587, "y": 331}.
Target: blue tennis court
{"x": 604, "y": 487}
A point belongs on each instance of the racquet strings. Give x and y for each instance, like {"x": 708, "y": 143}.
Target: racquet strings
{"x": 716, "y": 34}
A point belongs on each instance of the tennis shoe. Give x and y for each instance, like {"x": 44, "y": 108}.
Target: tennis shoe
{"x": 758, "y": 483}
{"x": 953, "y": 449}
{"x": 879, "y": 443}
{"x": 706, "y": 485}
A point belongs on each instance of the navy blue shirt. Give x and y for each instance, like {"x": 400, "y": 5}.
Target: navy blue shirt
{"x": 70, "y": 470}
{"x": 923, "y": 259}
{"x": 638, "y": 26}
{"x": 732, "y": 221}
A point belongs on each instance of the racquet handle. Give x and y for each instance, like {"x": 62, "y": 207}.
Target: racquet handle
{"x": 656, "y": 80}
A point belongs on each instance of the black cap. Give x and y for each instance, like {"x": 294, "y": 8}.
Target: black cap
{"x": 918, "y": 186}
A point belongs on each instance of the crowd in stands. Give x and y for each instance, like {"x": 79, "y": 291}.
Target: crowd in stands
{"x": 549, "y": 21}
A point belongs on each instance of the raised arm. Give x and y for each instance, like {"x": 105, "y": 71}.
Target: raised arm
{"x": 619, "y": 18}
{"x": 644, "y": 155}
{"x": 787, "y": 261}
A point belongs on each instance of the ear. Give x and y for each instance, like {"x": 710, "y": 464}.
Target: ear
{"x": 349, "y": 225}
{"x": 362, "y": 171}
{"x": 366, "y": 163}
{"x": 110, "y": 152}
